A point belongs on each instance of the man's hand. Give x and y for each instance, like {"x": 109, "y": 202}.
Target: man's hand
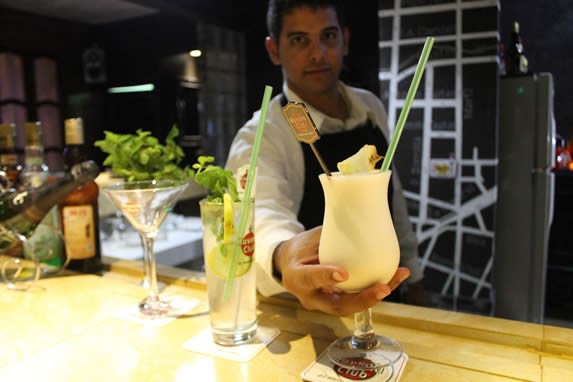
{"x": 315, "y": 285}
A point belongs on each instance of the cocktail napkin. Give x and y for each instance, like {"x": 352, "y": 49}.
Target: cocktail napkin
{"x": 181, "y": 306}
{"x": 323, "y": 370}
{"x": 203, "y": 343}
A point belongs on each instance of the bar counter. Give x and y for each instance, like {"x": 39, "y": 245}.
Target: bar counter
{"x": 67, "y": 329}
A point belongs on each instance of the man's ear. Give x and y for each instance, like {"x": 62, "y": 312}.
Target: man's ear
{"x": 346, "y": 37}
{"x": 272, "y": 50}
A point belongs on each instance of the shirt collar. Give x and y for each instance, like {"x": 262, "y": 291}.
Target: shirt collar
{"x": 324, "y": 123}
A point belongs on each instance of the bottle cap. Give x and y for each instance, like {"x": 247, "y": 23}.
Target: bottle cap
{"x": 33, "y": 133}
{"x": 74, "y": 131}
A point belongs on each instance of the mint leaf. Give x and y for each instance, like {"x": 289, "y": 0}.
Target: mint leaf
{"x": 141, "y": 156}
{"x": 216, "y": 179}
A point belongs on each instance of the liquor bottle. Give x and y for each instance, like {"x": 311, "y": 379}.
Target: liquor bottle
{"x": 79, "y": 209}
{"x": 562, "y": 154}
{"x": 8, "y": 158}
{"x": 516, "y": 61}
{"x": 36, "y": 173}
{"x": 22, "y": 210}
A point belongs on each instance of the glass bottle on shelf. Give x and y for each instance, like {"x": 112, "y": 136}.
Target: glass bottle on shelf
{"x": 8, "y": 158}
{"x": 35, "y": 173}
{"x": 517, "y": 63}
{"x": 562, "y": 154}
{"x": 79, "y": 209}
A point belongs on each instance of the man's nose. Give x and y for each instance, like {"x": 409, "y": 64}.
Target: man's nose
{"x": 317, "y": 51}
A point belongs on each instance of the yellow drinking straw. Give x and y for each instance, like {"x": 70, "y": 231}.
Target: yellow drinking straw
{"x": 408, "y": 103}
{"x": 247, "y": 194}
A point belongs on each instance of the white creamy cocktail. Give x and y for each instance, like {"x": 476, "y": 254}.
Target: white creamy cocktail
{"x": 357, "y": 233}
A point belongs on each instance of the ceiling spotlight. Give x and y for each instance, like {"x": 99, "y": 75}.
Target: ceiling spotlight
{"x": 195, "y": 53}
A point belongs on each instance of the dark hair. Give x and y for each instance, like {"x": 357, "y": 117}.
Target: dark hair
{"x": 279, "y": 8}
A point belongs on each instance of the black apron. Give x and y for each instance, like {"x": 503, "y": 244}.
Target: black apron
{"x": 333, "y": 148}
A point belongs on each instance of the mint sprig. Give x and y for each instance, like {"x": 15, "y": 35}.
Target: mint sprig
{"x": 216, "y": 179}
{"x": 141, "y": 156}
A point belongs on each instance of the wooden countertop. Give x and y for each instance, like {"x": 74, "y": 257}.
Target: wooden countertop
{"x": 68, "y": 330}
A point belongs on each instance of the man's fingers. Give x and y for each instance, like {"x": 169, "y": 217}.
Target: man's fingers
{"x": 321, "y": 281}
{"x": 344, "y": 304}
{"x": 326, "y": 277}
{"x": 401, "y": 274}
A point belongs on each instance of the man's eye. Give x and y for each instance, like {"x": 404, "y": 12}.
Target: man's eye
{"x": 298, "y": 41}
{"x": 330, "y": 38}
{"x": 332, "y": 35}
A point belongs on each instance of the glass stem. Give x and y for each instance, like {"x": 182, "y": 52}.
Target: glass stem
{"x": 150, "y": 271}
{"x": 146, "y": 280}
{"x": 363, "y": 336}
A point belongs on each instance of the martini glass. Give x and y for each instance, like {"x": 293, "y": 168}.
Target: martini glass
{"x": 358, "y": 235}
{"x": 145, "y": 204}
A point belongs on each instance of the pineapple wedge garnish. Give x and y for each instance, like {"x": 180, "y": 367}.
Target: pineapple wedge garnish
{"x": 363, "y": 161}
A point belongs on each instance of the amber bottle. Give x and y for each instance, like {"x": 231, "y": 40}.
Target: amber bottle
{"x": 79, "y": 210}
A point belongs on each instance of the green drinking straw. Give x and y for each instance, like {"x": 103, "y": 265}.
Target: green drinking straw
{"x": 248, "y": 186}
{"x": 408, "y": 103}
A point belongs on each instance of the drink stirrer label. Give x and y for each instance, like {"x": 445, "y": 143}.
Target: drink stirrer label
{"x": 303, "y": 127}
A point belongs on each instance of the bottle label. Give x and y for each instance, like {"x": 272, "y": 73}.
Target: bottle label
{"x": 79, "y": 231}
{"x": 74, "y": 131}
{"x": 9, "y": 159}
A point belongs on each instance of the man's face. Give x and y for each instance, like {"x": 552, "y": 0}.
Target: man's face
{"x": 310, "y": 50}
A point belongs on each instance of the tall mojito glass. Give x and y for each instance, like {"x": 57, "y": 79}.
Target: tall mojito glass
{"x": 233, "y": 319}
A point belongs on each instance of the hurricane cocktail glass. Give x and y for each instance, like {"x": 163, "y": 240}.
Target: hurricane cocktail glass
{"x": 358, "y": 235}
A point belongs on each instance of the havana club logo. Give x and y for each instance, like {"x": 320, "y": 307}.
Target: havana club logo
{"x": 243, "y": 180}
{"x": 248, "y": 244}
{"x": 366, "y": 369}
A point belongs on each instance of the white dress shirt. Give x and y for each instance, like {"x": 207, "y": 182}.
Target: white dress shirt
{"x": 281, "y": 174}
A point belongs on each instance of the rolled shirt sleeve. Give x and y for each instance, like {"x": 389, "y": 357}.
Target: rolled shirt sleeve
{"x": 279, "y": 188}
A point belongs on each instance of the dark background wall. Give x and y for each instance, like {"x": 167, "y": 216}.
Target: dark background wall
{"x": 134, "y": 53}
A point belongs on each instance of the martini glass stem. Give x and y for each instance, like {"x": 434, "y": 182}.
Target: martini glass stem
{"x": 148, "y": 240}
{"x": 145, "y": 281}
{"x": 363, "y": 336}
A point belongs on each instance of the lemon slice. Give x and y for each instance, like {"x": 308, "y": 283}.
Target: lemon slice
{"x": 219, "y": 261}
{"x": 228, "y": 219}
